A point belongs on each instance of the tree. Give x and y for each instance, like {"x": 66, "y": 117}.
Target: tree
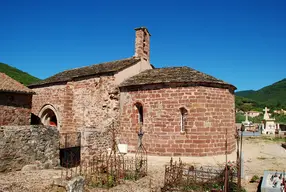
{"x": 246, "y": 107}
{"x": 239, "y": 117}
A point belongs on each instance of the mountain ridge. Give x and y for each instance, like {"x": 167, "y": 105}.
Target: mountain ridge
{"x": 273, "y": 95}
{"x": 17, "y": 74}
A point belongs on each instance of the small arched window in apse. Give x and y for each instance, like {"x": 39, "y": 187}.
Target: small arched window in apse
{"x": 183, "y": 115}
{"x": 140, "y": 113}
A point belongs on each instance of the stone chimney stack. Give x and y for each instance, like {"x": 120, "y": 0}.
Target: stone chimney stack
{"x": 142, "y": 43}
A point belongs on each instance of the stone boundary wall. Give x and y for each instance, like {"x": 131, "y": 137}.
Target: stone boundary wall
{"x": 23, "y": 145}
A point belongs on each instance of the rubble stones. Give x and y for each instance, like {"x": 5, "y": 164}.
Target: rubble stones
{"x": 76, "y": 184}
{"x": 34, "y": 146}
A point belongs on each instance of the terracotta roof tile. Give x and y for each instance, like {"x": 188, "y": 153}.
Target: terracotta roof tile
{"x": 172, "y": 75}
{"x": 7, "y": 84}
{"x": 97, "y": 69}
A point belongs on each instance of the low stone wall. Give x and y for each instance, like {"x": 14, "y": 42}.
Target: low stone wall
{"x": 22, "y": 145}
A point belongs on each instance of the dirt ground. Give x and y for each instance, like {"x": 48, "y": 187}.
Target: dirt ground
{"x": 259, "y": 155}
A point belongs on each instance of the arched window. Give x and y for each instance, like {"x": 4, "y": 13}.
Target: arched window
{"x": 140, "y": 113}
{"x": 183, "y": 114}
{"x": 48, "y": 116}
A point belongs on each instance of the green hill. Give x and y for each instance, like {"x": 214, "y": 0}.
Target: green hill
{"x": 273, "y": 96}
{"x": 17, "y": 74}
{"x": 244, "y": 93}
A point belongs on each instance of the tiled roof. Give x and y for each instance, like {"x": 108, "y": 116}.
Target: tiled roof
{"x": 172, "y": 75}
{"x": 7, "y": 84}
{"x": 97, "y": 69}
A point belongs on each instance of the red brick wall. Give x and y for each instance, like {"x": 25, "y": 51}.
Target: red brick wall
{"x": 67, "y": 124}
{"x": 210, "y": 112}
{"x": 50, "y": 95}
{"x": 142, "y": 43}
{"x": 86, "y": 102}
{"x": 15, "y": 109}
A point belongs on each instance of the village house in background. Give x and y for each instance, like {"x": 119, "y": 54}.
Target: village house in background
{"x": 253, "y": 113}
{"x": 15, "y": 102}
{"x": 181, "y": 111}
{"x": 281, "y": 111}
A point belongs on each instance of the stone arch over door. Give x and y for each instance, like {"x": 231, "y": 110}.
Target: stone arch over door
{"x": 49, "y": 116}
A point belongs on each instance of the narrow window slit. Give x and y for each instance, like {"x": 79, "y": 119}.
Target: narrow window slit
{"x": 183, "y": 114}
{"x": 140, "y": 113}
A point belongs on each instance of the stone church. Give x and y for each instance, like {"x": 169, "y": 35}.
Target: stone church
{"x": 182, "y": 111}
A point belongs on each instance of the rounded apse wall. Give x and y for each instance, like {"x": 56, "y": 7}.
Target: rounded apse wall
{"x": 187, "y": 121}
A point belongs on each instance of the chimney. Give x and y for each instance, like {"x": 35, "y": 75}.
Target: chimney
{"x": 142, "y": 43}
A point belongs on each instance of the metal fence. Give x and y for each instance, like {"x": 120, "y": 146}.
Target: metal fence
{"x": 181, "y": 177}
{"x": 106, "y": 168}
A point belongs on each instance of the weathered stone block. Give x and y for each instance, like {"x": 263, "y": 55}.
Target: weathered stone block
{"x": 76, "y": 184}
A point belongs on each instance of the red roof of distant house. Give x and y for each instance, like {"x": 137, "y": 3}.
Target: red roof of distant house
{"x": 7, "y": 84}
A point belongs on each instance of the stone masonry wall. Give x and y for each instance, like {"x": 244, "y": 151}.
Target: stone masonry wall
{"x": 210, "y": 112}
{"x": 22, "y": 145}
{"x": 94, "y": 141}
{"x": 95, "y": 107}
{"x": 15, "y": 109}
{"x": 95, "y": 102}
{"x": 52, "y": 95}
{"x": 85, "y": 102}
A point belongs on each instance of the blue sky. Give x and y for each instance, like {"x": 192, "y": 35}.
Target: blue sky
{"x": 240, "y": 41}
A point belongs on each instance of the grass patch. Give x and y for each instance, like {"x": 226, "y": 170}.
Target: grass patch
{"x": 273, "y": 138}
{"x": 279, "y": 139}
{"x": 261, "y": 158}
{"x": 255, "y": 178}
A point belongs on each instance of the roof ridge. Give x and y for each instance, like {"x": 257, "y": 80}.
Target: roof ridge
{"x": 176, "y": 67}
{"x": 99, "y": 64}
{"x": 107, "y": 67}
{"x": 181, "y": 74}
